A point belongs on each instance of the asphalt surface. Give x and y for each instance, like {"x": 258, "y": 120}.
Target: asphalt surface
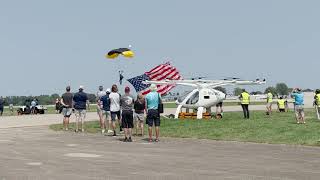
{"x": 29, "y": 150}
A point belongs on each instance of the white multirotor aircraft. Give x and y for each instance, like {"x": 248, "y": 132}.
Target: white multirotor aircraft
{"x": 204, "y": 96}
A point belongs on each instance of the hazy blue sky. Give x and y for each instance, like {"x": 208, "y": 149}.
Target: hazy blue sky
{"x": 46, "y": 45}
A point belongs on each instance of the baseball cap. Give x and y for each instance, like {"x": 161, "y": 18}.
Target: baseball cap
{"x": 81, "y": 87}
{"x": 108, "y": 90}
{"x": 127, "y": 89}
{"x": 153, "y": 87}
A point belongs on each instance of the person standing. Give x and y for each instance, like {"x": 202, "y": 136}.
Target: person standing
{"x": 317, "y": 102}
{"x": 33, "y": 106}
{"x": 245, "y": 101}
{"x": 58, "y": 105}
{"x": 1, "y": 105}
{"x": 100, "y": 93}
{"x": 269, "y": 102}
{"x": 139, "y": 109}
{"x": 286, "y": 104}
{"x": 80, "y": 104}
{"x": 67, "y": 105}
{"x": 127, "y": 103}
{"x": 115, "y": 108}
{"x": 281, "y": 105}
{"x": 219, "y": 110}
{"x": 105, "y": 100}
{"x": 153, "y": 99}
{"x": 298, "y": 96}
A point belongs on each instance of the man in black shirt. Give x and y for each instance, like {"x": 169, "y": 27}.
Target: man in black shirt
{"x": 1, "y": 105}
{"x": 80, "y": 104}
{"x": 66, "y": 102}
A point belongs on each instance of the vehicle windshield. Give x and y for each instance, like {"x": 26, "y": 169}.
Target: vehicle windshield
{"x": 182, "y": 97}
{"x": 192, "y": 100}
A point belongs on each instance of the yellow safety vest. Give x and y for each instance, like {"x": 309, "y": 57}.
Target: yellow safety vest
{"x": 245, "y": 98}
{"x": 318, "y": 99}
{"x": 281, "y": 103}
{"x": 269, "y": 97}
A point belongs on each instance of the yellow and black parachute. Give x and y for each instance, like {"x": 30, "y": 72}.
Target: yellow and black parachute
{"x": 115, "y": 53}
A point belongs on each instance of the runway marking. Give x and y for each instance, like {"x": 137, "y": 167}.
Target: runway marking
{"x": 34, "y": 163}
{"x": 83, "y": 155}
{"x": 72, "y": 145}
{"x": 5, "y": 141}
{"x": 146, "y": 143}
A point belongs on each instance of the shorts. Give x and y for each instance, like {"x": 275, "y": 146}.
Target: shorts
{"x": 299, "y": 110}
{"x": 115, "y": 115}
{"x": 66, "y": 112}
{"x": 127, "y": 119}
{"x": 153, "y": 118}
{"x": 107, "y": 114}
{"x": 80, "y": 113}
{"x": 269, "y": 104}
{"x": 219, "y": 104}
{"x": 99, "y": 110}
{"x": 139, "y": 117}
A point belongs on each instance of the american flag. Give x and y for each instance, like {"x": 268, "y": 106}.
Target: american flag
{"x": 160, "y": 72}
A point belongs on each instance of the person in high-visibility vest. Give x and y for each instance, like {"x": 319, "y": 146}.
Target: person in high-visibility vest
{"x": 245, "y": 101}
{"x": 317, "y": 102}
{"x": 269, "y": 102}
{"x": 281, "y": 105}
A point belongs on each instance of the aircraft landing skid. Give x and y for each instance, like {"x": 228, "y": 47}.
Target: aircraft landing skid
{"x": 200, "y": 114}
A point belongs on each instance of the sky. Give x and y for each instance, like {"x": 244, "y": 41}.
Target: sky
{"x": 47, "y": 45}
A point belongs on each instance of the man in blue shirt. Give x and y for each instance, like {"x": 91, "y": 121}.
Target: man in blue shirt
{"x": 80, "y": 104}
{"x": 153, "y": 118}
{"x": 106, "y": 114}
{"x": 298, "y": 96}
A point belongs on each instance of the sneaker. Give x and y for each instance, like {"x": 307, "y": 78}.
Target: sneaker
{"x": 114, "y": 134}
{"x": 157, "y": 140}
{"x": 129, "y": 140}
{"x": 103, "y": 131}
{"x": 150, "y": 140}
{"x": 76, "y": 131}
{"x": 125, "y": 140}
{"x": 82, "y": 130}
{"x": 110, "y": 131}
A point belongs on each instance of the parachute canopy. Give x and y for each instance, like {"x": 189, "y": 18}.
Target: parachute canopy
{"x": 115, "y": 53}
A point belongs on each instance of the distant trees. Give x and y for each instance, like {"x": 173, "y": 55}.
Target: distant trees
{"x": 282, "y": 89}
{"x": 272, "y": 89}
{"x": 42, "y": 99}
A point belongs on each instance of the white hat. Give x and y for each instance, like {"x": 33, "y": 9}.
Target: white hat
{"x": 153, "y": 87}
{"x": 108, "y": 90}
{"x": 81, "y": 87}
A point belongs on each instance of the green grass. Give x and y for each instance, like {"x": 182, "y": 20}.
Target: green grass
{"x": 275, "y": 129}
{"x": 173, "y": 105}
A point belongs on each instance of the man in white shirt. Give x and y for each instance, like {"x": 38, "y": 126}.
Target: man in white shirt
{"x": 115, "y": 108}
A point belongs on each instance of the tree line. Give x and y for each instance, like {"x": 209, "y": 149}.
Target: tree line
{"x": 42, "y": 99}
{"x": 281, "y": 89}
